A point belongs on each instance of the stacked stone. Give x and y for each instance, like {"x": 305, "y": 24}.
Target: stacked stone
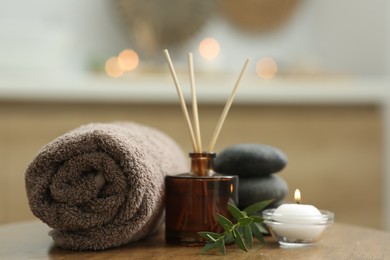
{"x": 256, "y": 165}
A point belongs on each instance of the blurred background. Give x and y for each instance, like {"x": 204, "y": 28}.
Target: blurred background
{"x": 302, "y": 37}
{"x": 317, "y": 86}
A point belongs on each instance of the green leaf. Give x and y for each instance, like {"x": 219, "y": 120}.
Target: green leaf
{"x": 256, "y": 230}
{"x": 221, "y": 245}
{"x": 241, "y": 232}
{"x": 263, "y": 229}
{"x": 239, "y": 241}
{"x": 235, "y": 211}
{"x": 225, "y": 223}
{"x": 208, "y": 247}
{"x": 257, "y": 219}
{"x": 245, "y": 221}
{"x": 229, "y": 238}
{"x": 248, "y": 236}
{"x": 257, "y": 206}
{"x": 209, "y": 235}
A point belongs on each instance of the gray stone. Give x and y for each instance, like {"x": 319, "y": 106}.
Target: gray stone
{"x": 255, "y": 189}
{"x": 250, "y": 160}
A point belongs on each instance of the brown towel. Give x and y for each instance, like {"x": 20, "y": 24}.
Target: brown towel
{"x": 101, "y": 185}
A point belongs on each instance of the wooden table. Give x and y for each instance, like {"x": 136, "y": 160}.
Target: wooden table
{"x": 29, "y": 240}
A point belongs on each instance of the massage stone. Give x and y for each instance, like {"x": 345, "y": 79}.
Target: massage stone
{"x": 248, "y": 160}
{"x": 255, "y": 189}
{"x": 255, "y": 164}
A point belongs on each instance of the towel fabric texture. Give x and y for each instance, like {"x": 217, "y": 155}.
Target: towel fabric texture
{"x": 101, "y": 185}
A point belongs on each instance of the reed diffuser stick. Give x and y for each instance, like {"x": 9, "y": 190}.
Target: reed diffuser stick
{"x": 194, "y": 103}
{"x": 181, "y": 99}
{"x": 226, "y": 109}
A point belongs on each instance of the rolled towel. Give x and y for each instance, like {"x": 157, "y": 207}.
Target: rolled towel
{"x": 101, "y": 185}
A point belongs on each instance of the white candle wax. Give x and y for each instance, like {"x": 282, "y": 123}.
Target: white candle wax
{"x": 297, "y": 222}
{"x": 297, "y": 213}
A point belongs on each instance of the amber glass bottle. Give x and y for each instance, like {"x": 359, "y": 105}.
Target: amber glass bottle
{"x": 193, "y": 199}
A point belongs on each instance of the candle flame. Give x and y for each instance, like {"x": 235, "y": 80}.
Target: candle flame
{"x": 297, "y": 196}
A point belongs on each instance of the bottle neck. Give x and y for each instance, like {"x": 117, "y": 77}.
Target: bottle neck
{"x": 202, "y": 164}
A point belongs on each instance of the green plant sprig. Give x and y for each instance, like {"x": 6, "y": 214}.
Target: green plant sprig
{"x": 241, "y": 232}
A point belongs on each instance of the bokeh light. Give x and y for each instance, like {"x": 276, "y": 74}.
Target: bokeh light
{"x": 128, "y": 60}
{"x": 209, "y": 48}
{"x": 112, "y": 68}
{"x": 266, "y": 68}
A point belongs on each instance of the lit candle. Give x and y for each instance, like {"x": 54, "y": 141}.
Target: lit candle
{"x": 297, "y": 223}
{"x": 297, "y": 213}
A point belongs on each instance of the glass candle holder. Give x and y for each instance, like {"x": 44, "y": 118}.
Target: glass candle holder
{"x": 297, "y": 230}
{"x": 193, "y": 200}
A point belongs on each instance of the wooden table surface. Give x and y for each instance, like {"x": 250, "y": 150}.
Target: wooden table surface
{"x": 29, "y": 240}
